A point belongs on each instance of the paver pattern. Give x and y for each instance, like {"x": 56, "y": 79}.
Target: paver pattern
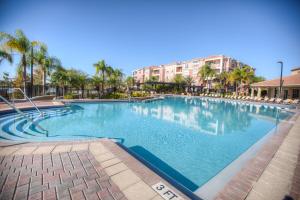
{"x": 67, "y": 175}
{"x": 40, "y": 104}
{"x": 92, "y": 169}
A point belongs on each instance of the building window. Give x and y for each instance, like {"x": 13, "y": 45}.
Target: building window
{"x": 178, "y": 69}
{"x": 295, "y": 94}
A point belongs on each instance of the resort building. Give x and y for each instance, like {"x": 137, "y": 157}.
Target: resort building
{"x": 271, "y": 88}
{"x": 167, "y": 72}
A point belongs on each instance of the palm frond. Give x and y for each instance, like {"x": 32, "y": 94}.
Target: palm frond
{"x": 5, "y": 55}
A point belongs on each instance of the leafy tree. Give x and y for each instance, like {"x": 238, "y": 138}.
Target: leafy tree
{"x": 101, "y": 70}
{"x": 236, "y": 78}
{"x": 46, "y": 63}
{"x": 60, "y": 78}
{"x": 152, "y": 79}
{"x": 206, "y": 73}
{"x": 129, "y": 81}
{"x": 179, "y": 79}
{"x": 258, "y": 79}
{"x": 189, "y": 81}
{"x": 21, "y": 44}
{"x": 223, "y": 80}
{"x": 97, "y": 82}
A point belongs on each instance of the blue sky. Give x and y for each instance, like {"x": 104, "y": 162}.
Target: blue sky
{"x": 130, "y": 34}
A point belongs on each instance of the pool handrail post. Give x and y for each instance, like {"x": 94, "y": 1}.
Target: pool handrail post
{"x": 21, "y": 113}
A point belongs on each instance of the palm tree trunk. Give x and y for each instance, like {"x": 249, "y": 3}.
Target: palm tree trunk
{"x": 44, "y": 82}
{"x": 82, "y": 91}
{"x": 24, "y": 72}
{"x": 31, "y": 74}
{"x": 102, "y": 85}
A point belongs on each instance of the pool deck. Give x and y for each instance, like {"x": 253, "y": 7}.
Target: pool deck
{"x": 273, "y": 173}
{"x": 94, "y": 169}
{"x": 27, "y": 105}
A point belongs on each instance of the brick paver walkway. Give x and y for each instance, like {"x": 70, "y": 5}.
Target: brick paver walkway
{"x": 67, "y": 175}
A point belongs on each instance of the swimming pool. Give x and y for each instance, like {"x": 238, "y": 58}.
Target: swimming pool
{"x": 189, "y": 139}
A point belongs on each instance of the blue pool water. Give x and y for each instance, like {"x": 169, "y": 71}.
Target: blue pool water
{"x": 190, "y": 139}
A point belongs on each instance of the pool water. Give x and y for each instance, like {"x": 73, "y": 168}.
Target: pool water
{"x": 189, "y": 139}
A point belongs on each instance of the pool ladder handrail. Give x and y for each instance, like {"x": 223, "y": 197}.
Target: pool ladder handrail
{"x": 22, "y": 113}
{"x": 26, "y": 97}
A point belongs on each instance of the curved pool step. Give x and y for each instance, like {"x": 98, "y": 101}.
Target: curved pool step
{"x": 16, "y": 127}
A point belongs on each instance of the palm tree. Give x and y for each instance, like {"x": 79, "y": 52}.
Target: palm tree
{"x": 236, "y": 78}
{"x": 101, "y": 69}
{"x": 223, "y": 80}
{"x": 247, "y": 77}
{"x": 50, "y": 64}
{"x": 118, "y": 74}
{"x": 205, "y": 73}
{"x": 129, "y": 81}
{"x": 189, "y": 81}
{"x": 60, "y": 78}
{"x": 97, "y": 82}
{"x": 45, "y": 63}
{"x": 20, "y": 44}
{"x": 4, "y": 55}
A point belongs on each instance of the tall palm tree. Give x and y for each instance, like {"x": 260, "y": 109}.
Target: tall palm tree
{"x": 60, "y": 78}
{"x": 101, "y": 69}
{"x": 129, "y": 81}
{"x": 20, "y": 44}
{"x": 4, "y": 55}
{"x": 236, "y": 78}
{"x": 118, "y": 74}
{"x": 223, "y": 80}
{"x": 46, "y": 63}
{"x": 189, "y": 81}
{"x": 205, "y": 73}
{"x": 110, "y": 79}
{"x": 97, "y": 82}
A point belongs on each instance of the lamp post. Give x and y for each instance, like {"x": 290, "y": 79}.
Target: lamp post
{"x": 280, "y": 84}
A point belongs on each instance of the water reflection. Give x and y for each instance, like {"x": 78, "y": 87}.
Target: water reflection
{"x": 209, "y": 116}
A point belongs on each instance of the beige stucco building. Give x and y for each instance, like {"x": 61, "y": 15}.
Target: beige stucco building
{"x": 271, "y": 88}
{"x": 167, "y": 72}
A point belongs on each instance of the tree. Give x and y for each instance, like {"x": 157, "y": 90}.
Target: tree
{"x": 101, "y": 69}
{"x": 129, "y": 81}
{"x": 76, "y": 79}
{"x": 258, "y": 79}
{"x": 188, "y": 81}
{"x": 19, "y": 43}
{"x": 206, "y": 73}
{"x": 4, "y": 55}
{"x": 178, "y": 79}
{"x": 46, "y": 63}
{"x": 223, "y": 80}
{"x": 60, "y": 78}
{"x": 97, "y": 82}
{"x": 152, "y": 79}
{"x": 117, "y": 76}
{"x": 247, "y": 76}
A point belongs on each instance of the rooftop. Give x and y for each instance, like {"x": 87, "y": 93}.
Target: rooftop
{"x": 292, "y": 80}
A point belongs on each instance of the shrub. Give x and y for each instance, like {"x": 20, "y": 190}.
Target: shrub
{"x": 69, "y": 96}
{"x": 139, "y": 94}
{"x": 115, "y": 96}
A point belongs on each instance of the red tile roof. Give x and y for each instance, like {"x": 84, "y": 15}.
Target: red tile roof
{"x": 292, "y": 80}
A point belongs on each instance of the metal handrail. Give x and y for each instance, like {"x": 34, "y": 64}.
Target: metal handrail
{"x": 33, "y": 104}
{"x": 21, "y": 113}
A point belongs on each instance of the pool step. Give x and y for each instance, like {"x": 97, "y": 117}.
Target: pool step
{"x": 16, "y": 127}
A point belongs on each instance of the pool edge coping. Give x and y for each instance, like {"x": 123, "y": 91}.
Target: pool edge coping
{"x": 241, "y": 183}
